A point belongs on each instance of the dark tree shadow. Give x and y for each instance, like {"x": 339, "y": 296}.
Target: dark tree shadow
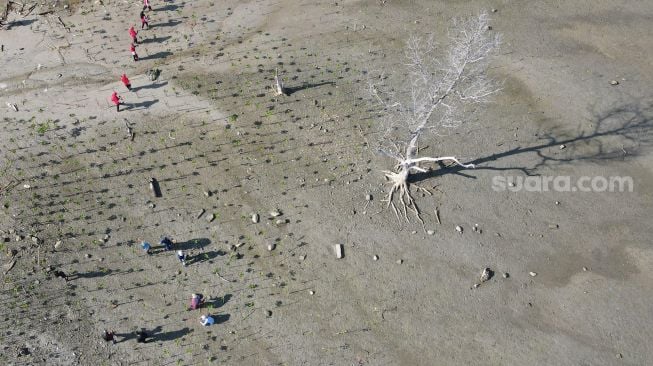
{"x": 154, "y": 56}
{"x": 292, "y": 90}
{"x": 150, "y": 86}
{"x": 141, "y": 105}
{"x": 620, "y": 132}
{"x": 155, "y": 39}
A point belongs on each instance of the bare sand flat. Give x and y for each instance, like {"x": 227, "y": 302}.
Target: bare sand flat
{"x": 572, "y": 271}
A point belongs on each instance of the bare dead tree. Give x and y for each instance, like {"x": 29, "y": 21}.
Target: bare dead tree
{"x": 442, "y": 85}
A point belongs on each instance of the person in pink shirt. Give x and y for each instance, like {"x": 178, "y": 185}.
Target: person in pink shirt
{"x": 126, "y": 81}
{"x": 145, "y": 21}
{"x": 116, "y": 100}
{"x": 146, "y": 5}
{"x": 132, "y": 49}
{"x": 133, "y": 33}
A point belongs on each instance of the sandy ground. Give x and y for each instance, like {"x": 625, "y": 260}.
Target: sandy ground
{"x": 212, "y": 133}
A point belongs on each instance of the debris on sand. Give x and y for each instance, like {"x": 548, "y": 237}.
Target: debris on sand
{"x": 486, "y": 274}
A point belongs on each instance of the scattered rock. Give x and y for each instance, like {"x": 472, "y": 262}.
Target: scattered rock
{"x": 255, "y": 218}
{"x": 553, "y": 226}
{"x": 459, "y": 229}
{"x": 368, "y": 197}
{"x": 311, "y": 292}
{"x": 280, "y": 222}
{"x": 376, "y": 257}
{"x": 87, "y": 256}
{"x": 614, "y": 82}
{"x": 207, "y": 193}
{"x": 557, "y": 202}
{"x": 532, "y": 274}
{"x": 476, "y": 285}
{"x": 105, "y": 238}
{"x": 302, "y": 257}
{"x": 210, "y": 218}
{"x": 486, "y": 274}
{"x": 584, "y": 269}
{"x": 275, "y": 213}
{"x": 494, "y": 10}
{"x": 506, "y": 275}
{"x": 562, "y": 146}
{"x": 339, "y": 250}
{"x": 271, "y": 246}
{"x": 268, "y": 313}
{"x": 430, "y": 232}
{"x": 19, "y": 238}
{"x": 400, "y": 261}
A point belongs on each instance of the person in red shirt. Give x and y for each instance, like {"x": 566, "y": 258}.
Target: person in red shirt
{"x": 126, "y": 81}
{"x": 117, "y": 100}
{"x": 133, "y": 33}
{"x": 132, "y": 48}
{"x": 145, "y": 21}
{"x": 146, "y": 5}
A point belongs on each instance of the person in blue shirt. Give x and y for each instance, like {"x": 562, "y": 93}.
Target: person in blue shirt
{"x": 167, "y": 243}
{"x": 207, "y": 320}
{"x": 146, "y": 247}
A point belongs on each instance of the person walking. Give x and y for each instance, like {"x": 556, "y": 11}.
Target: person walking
{"x": 116, "y": 100}
{"x": 126, "y": 82}
{"x": 196, "y": 301}
{"x": 167, "y": 243}
{"x": 133, "y": 33}
{"x": 146, "y": 5}
{"x": 146, "y": 247}
{"x": 132, "y": 49}
{"x": 207, "y": 320}
{"x": 109, "y": 336}
{"x": 182, "y": 257}
{"x": 145, "y": 21}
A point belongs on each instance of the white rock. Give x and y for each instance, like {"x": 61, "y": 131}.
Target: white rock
{"x": 459, "y": 229}
{"x": 275, "y": 213}
{"x": 58, "y": 244}
{"x": 312, "y": 292}
{"x": 376, "y": 257}
{"x": 271, "y": 246}
{"x": 338, "y": 249}
{"x": 210, "y": 217}
{"x": 486, "y": 274}
{"x": 430, "y": 232}
{"x": 614, "y": 82}
{"x": 302, "y": 257}
{"x": 400, "y": 261}
{"x": 368, "y": 197}
{"x": 533, "y": 274}
{"x": 255, "y": 218}
{"x": 562, "y": 146}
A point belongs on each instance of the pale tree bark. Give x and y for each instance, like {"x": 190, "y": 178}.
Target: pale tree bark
{"x": 440, "y": 87}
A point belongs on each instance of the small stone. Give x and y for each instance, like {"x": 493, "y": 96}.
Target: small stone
{"x": 255, "y": 218}
{"x": 430, "y": 232}
{"x": 584, "y": 269}
{"x": 486, "y": 274}
{"x": 459, "y": 229}
{"x": 279, "y": 222}
{"x": 210, "y": 217}
{"x": 532, "y": 274}
{"x": 275, "y": 213}
{"x": 368, "y": 197}
{"x": 151, "y": 205}
{"x": 506, "y": 275}
{"x": 614, "y": 82}
{"x": 400, "y": 261}
{"x": 553, "y": 226}
{"x": 476, "y": 285}
{"x": 58, "y": 244}
{"x": 311, "y": 292}
{"x": 87, "y": 256}
{"x": 207, "y": 193}
{"x": 35, "y": 240}
{"x": 557, "y": 202}
{"x": 19, "y": 238}
{"x": 511, "y": 184}
{"x": 268, "y": 313}
{"x": 338, "y": 249}
{"x": 494, "y": 10}
{"x": 562, "y": 146}
{"x": 271, "y": 247}
{"x": 376, "y": 257}
{"x": 106, "y": 238}
{"x": 302, "y": 257}
{"x": 619, "y": 355}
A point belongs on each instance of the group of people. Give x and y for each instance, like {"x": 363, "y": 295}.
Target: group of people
{"x": 133, "y": 34}
{"x": 167, "y": 245}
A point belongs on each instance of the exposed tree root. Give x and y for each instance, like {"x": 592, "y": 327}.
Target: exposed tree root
{"x": 399, "y": 181}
